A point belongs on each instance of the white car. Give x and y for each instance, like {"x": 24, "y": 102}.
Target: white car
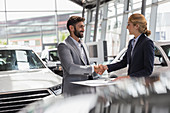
{"x": 50, "y": 56}
{"x": 161, "y": 58}
{"x": 24, "y": 78}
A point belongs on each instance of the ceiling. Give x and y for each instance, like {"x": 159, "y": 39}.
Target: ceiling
{"x": 89, "y": 4}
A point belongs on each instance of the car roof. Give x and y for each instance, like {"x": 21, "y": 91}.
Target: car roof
{"x": 50, "y": 49}
{"x": 14, "y": 47}
{"x": 162, "y": 42}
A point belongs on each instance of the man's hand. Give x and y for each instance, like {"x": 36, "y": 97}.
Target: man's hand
{"x": 99, "y": 69}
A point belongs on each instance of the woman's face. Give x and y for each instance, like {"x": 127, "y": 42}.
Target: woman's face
{"x": 131, "y": 28}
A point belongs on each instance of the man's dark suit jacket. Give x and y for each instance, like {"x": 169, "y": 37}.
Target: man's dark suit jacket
{"x": 140, "y": 62}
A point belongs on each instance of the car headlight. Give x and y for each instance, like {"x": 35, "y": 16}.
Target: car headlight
{"x": 57, "y": 89}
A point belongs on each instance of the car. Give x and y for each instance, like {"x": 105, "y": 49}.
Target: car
{"x": 2, "y": 62}
{"x": 161, "y": 58}
{"x": 50, "y": 56}
{"x": 125, "y": 95}
{"x": 24, "y": 78}
{"x": 75, "y": 104}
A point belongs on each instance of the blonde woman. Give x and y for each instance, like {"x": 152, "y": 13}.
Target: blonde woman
{"x": 140, "y": 52}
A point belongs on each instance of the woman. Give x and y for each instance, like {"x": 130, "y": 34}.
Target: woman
{"x": 140, "y": 53}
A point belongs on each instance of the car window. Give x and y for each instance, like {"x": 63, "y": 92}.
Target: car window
{"x": 19, "y": 60}
{"x": 166, "y": 48}
{"x": 158, "y": 58}
{"x": 53, "y": 55}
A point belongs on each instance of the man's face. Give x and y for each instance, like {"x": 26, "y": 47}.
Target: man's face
{"x": 79, "y": 29}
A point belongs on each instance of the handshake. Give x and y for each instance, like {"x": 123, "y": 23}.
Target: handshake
{"x": 99, "y": 69}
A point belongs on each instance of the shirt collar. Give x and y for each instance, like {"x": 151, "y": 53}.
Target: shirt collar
{"x": 136, "y": 39}
{"x": 75, "y": 42}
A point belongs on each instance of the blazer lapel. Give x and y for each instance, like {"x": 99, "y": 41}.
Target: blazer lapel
{"x": 129, "y": 52}
{"x": 72, "y": 44}
{"x": 137, "y": 44}
{"x": 86, "y": 53}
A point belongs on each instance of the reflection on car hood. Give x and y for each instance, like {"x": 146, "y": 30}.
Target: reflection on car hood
{"x": 136, "y": 87}
{"x": 75, "y": 104}
{"x": 127, "y": 95}
{"x": 30, "y": 79}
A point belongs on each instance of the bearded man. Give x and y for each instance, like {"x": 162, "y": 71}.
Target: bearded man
{"x": 74, "y": 59}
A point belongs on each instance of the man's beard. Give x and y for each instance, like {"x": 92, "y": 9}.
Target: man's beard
{"x": 77, "y": 33}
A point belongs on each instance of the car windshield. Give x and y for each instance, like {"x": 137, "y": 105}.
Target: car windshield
{"x": 166, "y": 48}
{"x": 19, "y": 60}
{"x": 54, "y": 55}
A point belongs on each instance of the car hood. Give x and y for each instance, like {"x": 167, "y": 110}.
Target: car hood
{"x": 30, "y": 79}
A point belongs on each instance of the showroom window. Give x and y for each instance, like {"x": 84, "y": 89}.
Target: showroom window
{"x": 44, "y": 20}
{"x": 163, "y": 24}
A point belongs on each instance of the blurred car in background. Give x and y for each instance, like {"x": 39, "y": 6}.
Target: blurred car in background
{"x": 50, "y": 56}
{"x": 161, "y": 58}
{"x": 24, "y": 78}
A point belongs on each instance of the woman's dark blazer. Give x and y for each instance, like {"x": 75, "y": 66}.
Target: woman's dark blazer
{"x": 140, "y": 62}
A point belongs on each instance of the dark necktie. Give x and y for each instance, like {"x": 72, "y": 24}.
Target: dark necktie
{"x": 133, "y": 45}
{"x": 83, "y": 55}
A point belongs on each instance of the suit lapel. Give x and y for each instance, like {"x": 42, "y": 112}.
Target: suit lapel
{"x": 137, "y": 45}
{"x": 129, "y": 52}
{"x": 73, "y": 45}
{"x": 86, "y": 53}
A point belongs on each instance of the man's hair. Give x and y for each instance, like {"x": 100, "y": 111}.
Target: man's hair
{"x": 73, "y": 20}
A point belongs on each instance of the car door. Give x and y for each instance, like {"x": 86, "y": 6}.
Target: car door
{"x": 119, "y": 57}
{"x": 160, "y": 60}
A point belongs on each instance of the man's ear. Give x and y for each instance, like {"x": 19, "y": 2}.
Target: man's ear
{"x": 71, "y": 28}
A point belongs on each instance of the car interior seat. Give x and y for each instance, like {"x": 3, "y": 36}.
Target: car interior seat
{"x": 11, "y": 63}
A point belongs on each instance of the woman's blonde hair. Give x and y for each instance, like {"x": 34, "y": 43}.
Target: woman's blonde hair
{"x": 141, "y": 21}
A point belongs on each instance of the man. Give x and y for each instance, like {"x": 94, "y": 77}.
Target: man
{"x": 74, "y": 58}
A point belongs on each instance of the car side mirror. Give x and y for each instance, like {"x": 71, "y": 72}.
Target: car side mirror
{"x": 44, "y": 59}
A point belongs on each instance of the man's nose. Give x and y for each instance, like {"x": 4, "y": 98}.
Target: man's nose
{"x": 83, "y": 29}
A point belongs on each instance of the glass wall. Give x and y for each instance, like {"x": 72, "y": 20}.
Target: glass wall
{"x": 92, "y": 24}
{"x": 135, "y": 4}
{"x": 2, "y": 7}
{"x": 163, "y": 23}
{"x": 35, "y": 22}
{"x": 115, "y": 19}
{"x": 114, "y": 23}
{"x": 147, "y": 16}
{"x": 113, "y": 35}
